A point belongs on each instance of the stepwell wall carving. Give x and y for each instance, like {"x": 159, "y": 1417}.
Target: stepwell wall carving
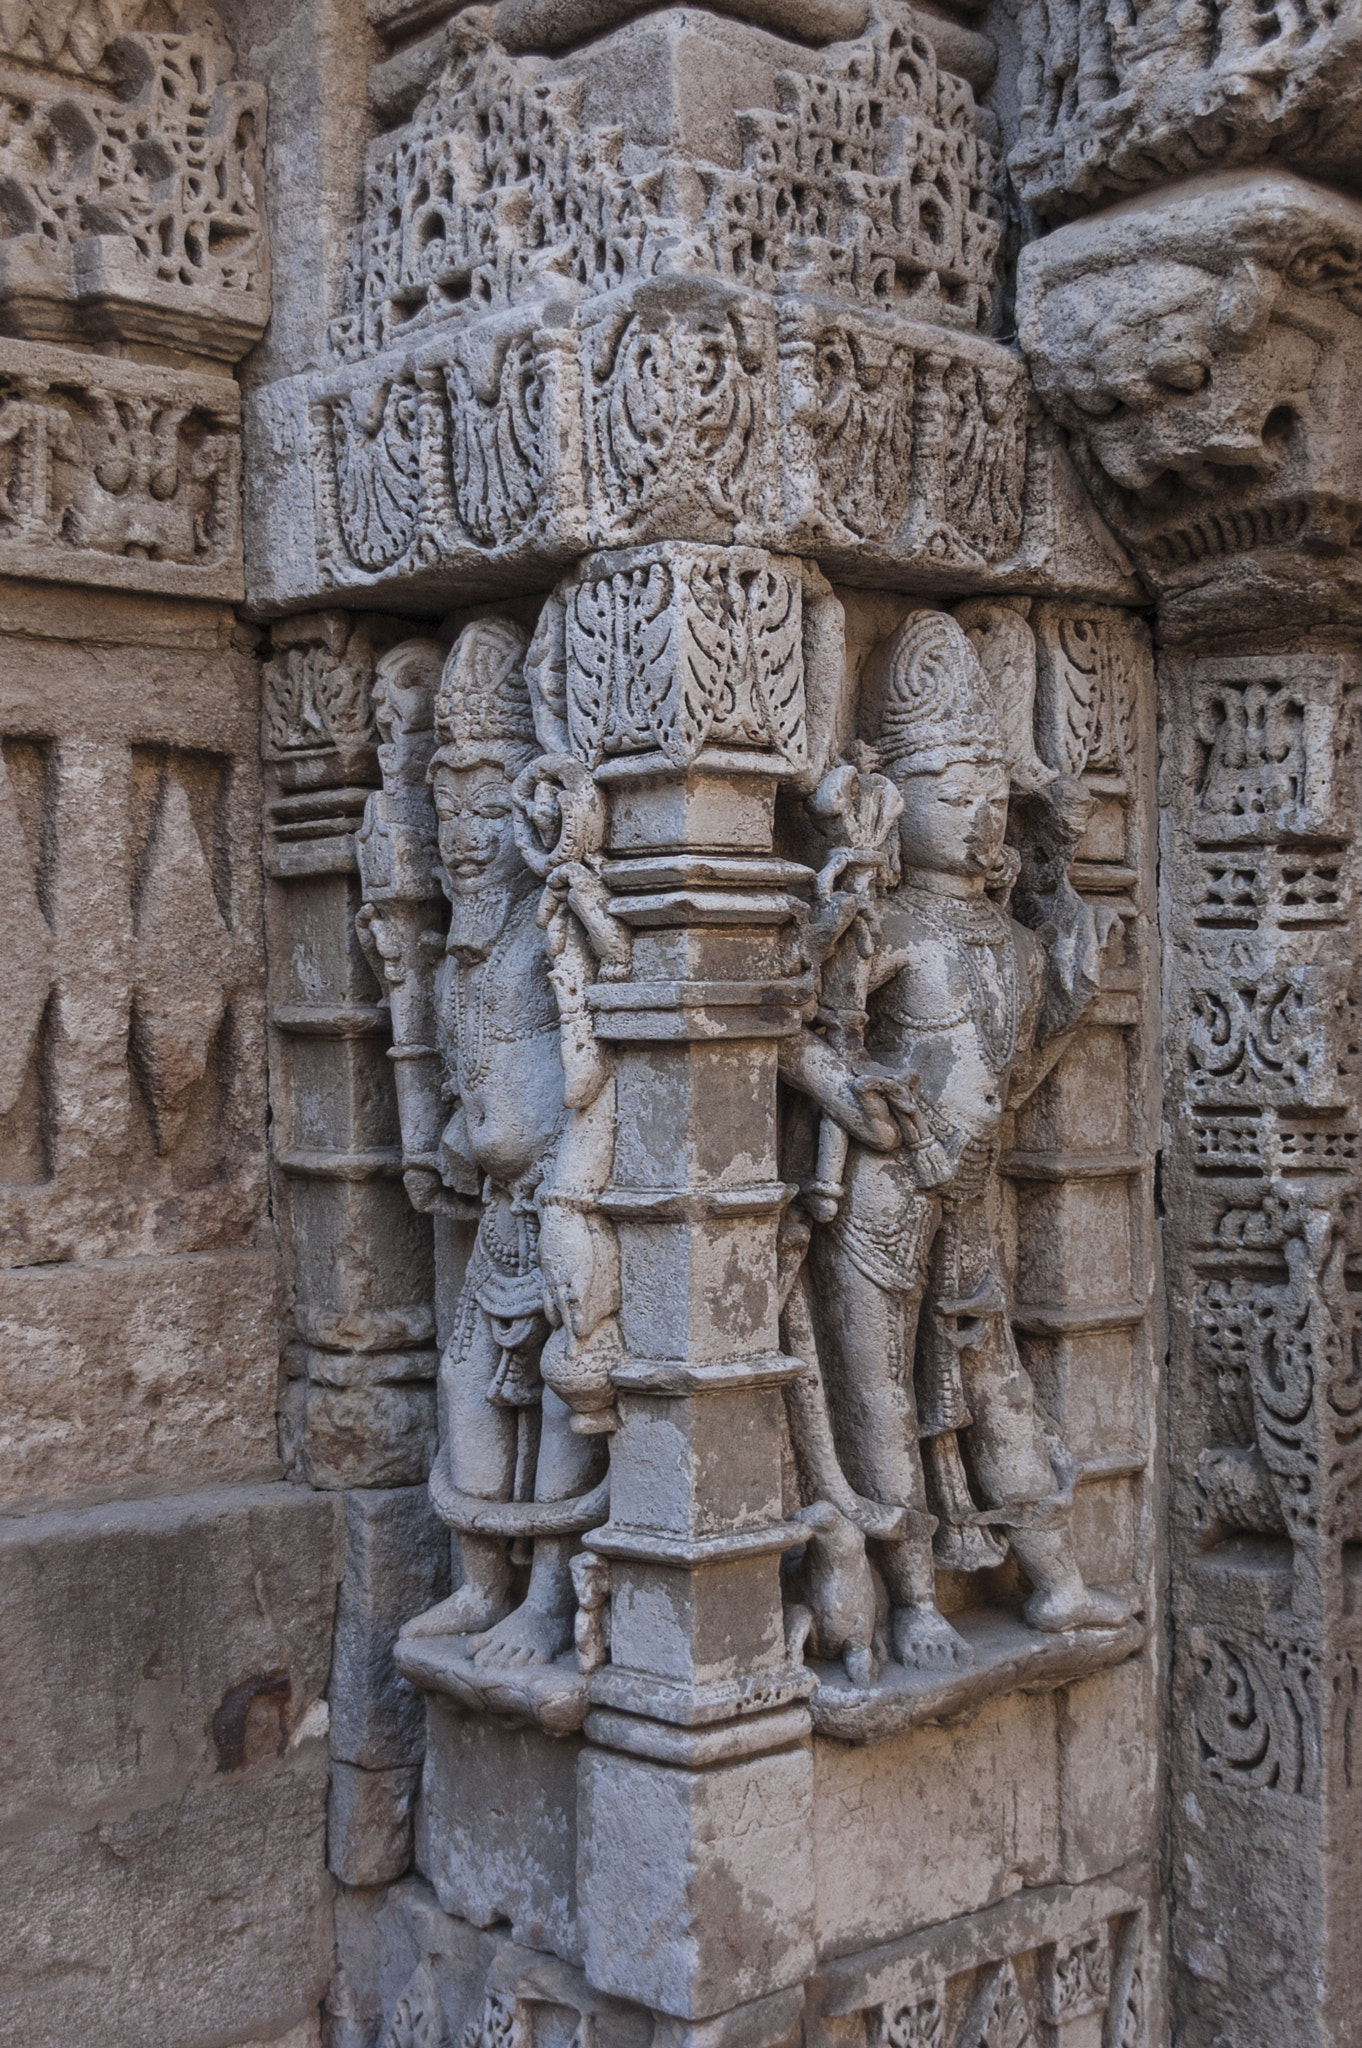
{"x": 709, "y": 736}
{"x": 594, "y": 1363}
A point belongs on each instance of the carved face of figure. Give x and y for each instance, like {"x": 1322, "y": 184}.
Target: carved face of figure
{"x": 477, "y": 837}
{"x": 953, "y": 821}
{"x": 1169, "y": 370}
{"x": 403, "y": 683}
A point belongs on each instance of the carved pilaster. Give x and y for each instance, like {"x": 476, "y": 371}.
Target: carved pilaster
{"x": 359, "y": 1405}
{"x": 1199, "y": 347}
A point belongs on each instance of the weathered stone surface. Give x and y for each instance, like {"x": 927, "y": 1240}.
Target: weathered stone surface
{"x": 1190, "y": 342}
{"x": 406, "y": 1965}
{"x": 396, "y": 1566}
{"x": 129, "y": 738}
{"x": 369, "y": 1817}
{"x": 134, "y": 1373}
{"x": 714, "y": 1026}
{"x": 496, "y": 1830}
{"x": 718, "y": 1909}
{"x": 165, "y": 1765}
{"x": 133, "y": 207}
{"x": 982, "y": 1837}
{"x": 118, "y": 474}
{"x": 1108, "y": 109}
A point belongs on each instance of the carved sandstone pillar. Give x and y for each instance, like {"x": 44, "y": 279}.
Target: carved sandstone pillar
{"x": 698, "y": 1729}
{"x": 1202, "y": 348}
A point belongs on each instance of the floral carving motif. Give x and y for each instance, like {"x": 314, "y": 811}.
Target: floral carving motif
{"x": 112, "y": 460}
{"x": 689, "y": 647}
{"x": 676, "y": 418}
{"x": 1257, "y": 1711}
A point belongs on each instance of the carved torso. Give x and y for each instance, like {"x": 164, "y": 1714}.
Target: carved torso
{"x": 499, "y": 1037}
{"x": 959, "y": 990}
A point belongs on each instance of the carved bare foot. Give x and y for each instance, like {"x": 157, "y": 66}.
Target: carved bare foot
{"x": 859, "y": 1665}
{"x": 529, "y": 1635}
{"x": 466, "y": 1612}
{"x": 1074, "y": 1605}
{"x": 924, "y": 1640}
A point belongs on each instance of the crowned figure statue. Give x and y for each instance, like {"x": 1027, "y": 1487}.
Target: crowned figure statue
{"x": 485, "y": 1015}
{"x": 965, "y": 1012}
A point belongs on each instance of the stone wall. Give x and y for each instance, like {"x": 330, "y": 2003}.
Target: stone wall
{"x": 677, "y": 1107}
{"x": 168, "y": 1600}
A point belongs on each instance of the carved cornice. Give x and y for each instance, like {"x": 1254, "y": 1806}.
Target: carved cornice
{"x": 1203, "y": 350}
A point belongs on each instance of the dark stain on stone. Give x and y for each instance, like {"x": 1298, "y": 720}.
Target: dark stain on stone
{"x": 252, "y": 1721}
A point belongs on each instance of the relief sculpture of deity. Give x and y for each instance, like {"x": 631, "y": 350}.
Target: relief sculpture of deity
{"x": 915, "y": 1430}
{"x": 507, "y": 1109}
{"x": 939, "y": 1012}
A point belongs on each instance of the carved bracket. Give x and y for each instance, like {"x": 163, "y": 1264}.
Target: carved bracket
{"x": 1197, "y": 347}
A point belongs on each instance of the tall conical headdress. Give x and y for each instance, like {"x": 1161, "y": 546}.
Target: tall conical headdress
{"x": 930, "y": 700}
{"x": 482, "y": 707}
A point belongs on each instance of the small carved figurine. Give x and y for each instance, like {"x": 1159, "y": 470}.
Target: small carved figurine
{"x": 933, "y": 1026}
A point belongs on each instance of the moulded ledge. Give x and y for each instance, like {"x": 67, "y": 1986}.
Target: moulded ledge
{"x": 1008, "y": 1657}
{"x": 553, "y": 1695}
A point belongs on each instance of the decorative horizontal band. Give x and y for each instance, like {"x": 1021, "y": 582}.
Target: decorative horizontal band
{"x": 379, "y": 1162}
{"x": 652, "y": 1546}
{"x": 697, "y": 1205}
{"x": 918, "y": 1963}
{"x": 682, "y": 1376}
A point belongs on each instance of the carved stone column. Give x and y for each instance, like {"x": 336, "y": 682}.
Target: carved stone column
{"x": 1202, "y": 348}
{"x": 674, "y": 319}
{"x": 698, "y": 1726}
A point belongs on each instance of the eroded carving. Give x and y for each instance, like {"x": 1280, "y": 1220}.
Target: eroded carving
{"x": 870, "y": 180}
{"x": 490, "y": 1021}
{"x": 1113, "y": 104}
{"x": 1091, "y": 1973}
{"x": 111, "y": 472}
{"x": 938, "y": 1009}
{"x": 135, "y": 210}
{"x": 1189, "y": 347}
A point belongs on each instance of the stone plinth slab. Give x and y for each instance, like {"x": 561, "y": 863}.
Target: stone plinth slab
{"x": 164, "y": 1774}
